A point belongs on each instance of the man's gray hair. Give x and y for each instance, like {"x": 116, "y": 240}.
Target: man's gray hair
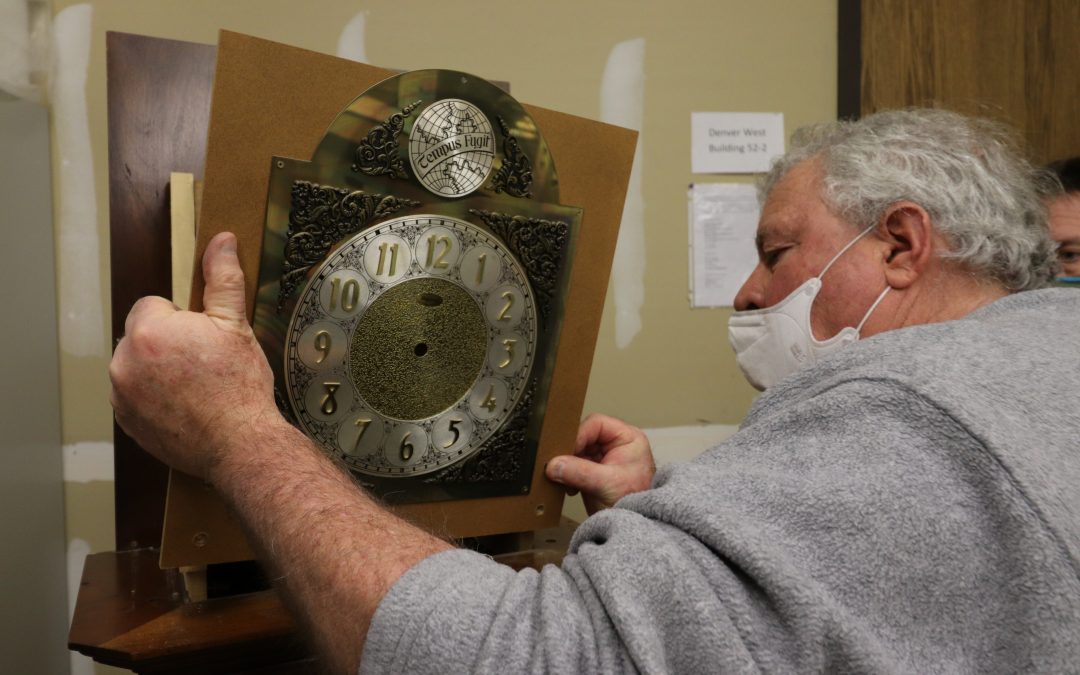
{"x": 968, "y": 173}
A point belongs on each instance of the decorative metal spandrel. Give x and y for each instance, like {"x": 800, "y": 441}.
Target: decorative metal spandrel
{"x": 322, "y": 216}
{"x": 501, "y": 458}
{"x": 539, "y": 244}
{"x": 377, "y": 154}
{"x": 514, "y": 176}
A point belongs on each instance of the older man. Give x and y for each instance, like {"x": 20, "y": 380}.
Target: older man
{"x": 902, "y": 502}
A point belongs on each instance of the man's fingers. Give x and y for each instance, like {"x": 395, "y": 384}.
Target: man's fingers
{"x": 596, "y": 429}
{"x": 601, "y": 432}
{"x": 223, "y": 297}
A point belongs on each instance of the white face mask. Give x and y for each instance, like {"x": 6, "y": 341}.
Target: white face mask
{"x": 775, "y": 342}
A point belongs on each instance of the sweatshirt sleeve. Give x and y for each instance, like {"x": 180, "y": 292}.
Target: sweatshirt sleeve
{"x": 859, "y": 530}
{"x": 628, "y": 599}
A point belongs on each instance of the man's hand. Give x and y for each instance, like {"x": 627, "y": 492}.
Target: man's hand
{"x": 611, "y": 460}
{"x": 194, "y": 390}
{"x": 183, "y": 382}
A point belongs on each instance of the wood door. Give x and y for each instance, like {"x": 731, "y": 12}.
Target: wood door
{"x": 1016, "y": 61}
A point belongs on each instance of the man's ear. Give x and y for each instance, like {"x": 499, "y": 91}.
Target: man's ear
{"x": 908, "y": 234}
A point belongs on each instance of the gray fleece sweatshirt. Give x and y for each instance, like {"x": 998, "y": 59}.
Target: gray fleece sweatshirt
{"x": 911, "y": 504}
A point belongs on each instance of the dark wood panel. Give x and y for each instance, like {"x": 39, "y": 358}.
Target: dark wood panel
{"x": 159, "y": 108}
{"x": 849, "y": 59}
{"x": 1017, "y": 61}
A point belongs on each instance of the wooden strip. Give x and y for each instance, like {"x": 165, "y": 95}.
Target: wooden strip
{"x": 182, "y": 234}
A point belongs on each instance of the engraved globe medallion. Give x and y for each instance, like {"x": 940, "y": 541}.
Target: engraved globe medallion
{"x": 452, "y": 148}
{"x": 410, "y": 345}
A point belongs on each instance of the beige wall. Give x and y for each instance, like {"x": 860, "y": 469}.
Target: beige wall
{"x": 719, "y": 55}
{"x": 714, "y": 55}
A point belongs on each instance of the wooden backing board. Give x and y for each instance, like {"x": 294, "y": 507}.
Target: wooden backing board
{"x": 272, "y": 99}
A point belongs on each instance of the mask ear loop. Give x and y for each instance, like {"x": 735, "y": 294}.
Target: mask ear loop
{"x": 858, "y": 329}
{"x": 844, "y": 250}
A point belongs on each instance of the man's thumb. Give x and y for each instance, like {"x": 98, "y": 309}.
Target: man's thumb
{"x": 223, "y": 296}
{"x": 580, "y": 474}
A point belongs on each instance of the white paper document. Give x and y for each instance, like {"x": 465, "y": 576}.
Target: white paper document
{"x": 735, "y": 142}
{"x": 723, "y": 221}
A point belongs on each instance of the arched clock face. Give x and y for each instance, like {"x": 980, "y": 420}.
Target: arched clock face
{"x": 410, "y": 345}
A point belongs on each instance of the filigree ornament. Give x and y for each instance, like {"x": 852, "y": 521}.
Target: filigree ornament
{"x": 501, "y": 457}
{"x": 514, "y": 176}
{"x": 539, "y": 244}
{"x": 378, "y": 153}
{"x": 321, "y": 217}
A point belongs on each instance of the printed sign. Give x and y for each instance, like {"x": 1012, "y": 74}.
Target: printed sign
{"x": 735, "y": 142}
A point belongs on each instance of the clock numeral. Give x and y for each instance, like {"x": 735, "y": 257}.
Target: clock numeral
{"x": 393, "y": 248}
{"x": 504, "y": 314}
{"x": 480, "y": 268}
{"x": 509, "y": 344}
{"x": 328, "y": 406}
{"x": 490, "y": 402}
{"x": 361, "y": 424}
{"x": 349, "y": 294}
{"x": 406, "y": 448}
{"x": 439, "y": 260}
{"x": 360, "y": 434}
{"x": 322, "y": 345}
{"x": 457, "y": 434}
{"x": 319, "y": 345}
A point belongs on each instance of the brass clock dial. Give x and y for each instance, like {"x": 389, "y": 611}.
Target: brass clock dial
{"x": 410, "y": 345}
{"x": 412, "y": 287}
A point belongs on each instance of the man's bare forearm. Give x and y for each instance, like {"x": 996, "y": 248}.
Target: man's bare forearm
{"x": 195, "y": 390}
{"x": 335, "y": 551}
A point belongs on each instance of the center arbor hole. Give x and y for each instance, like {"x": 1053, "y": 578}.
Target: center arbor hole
{"x": 420, "y": 349}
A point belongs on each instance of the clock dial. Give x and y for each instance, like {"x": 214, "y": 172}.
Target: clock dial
{"x": 410, "y": 345}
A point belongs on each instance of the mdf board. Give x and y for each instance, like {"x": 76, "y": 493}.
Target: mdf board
{"x": 159, "y": 113}
{"x": 260, "y": 112}
{"x": 1016, "y": 61}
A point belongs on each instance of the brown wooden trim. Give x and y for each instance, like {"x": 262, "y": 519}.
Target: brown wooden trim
{"x": 159, "y": 108}
{"x": 849, "y": 59}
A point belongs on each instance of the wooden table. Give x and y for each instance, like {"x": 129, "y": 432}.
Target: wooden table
{"x": 131, "y": 614}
